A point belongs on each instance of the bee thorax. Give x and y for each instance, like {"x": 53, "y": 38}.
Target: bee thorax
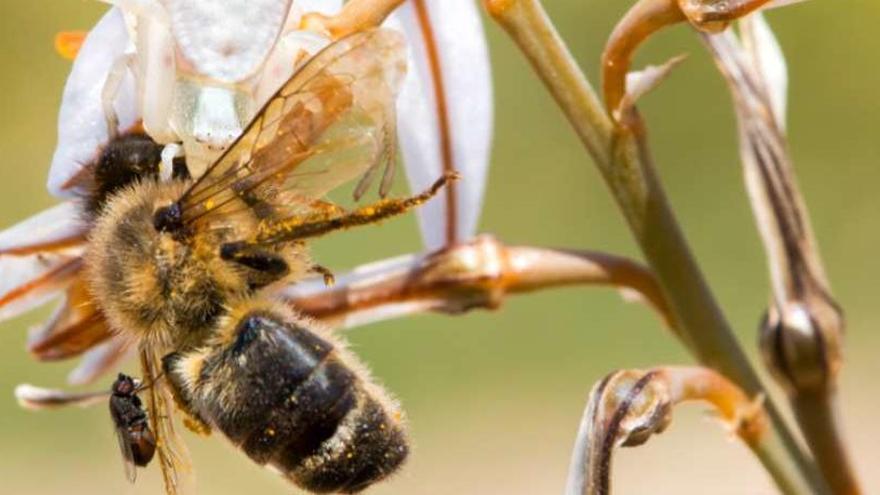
{"x": 149, "y": 283}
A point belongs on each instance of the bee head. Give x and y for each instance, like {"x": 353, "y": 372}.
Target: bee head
{"x": 127, "y": 159}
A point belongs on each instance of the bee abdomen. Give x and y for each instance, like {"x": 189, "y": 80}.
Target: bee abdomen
{"x": 368, "y": 446}
{"x": 305, "y": 418}
{"x": 290, "y": 399}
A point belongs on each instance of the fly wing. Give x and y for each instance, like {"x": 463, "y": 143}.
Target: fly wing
{"x": 127, "y": 454}
{"x": 332, "y": 122}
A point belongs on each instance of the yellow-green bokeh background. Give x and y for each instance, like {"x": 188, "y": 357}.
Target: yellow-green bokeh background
{"x": 494, "y": 399}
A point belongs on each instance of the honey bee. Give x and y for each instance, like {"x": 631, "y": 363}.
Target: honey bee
{"x": 186, "y": 268}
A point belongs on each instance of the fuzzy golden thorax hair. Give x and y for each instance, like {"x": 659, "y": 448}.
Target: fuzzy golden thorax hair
{"x": 168, "y": 288}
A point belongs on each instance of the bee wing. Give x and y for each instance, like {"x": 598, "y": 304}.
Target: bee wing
{"x": 172, "y": 454}
{"x": 333, "y": 121}
{"x": 127, "y": 454}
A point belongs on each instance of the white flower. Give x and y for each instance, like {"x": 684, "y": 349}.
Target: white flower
{"x": 191, "y": 73}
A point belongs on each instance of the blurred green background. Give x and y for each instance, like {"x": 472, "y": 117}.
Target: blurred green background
{"x": 494, "y": 399}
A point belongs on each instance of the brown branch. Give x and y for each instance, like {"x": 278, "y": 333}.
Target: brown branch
{"x": 647, "y": 17}
{"x": 480, "y": 273}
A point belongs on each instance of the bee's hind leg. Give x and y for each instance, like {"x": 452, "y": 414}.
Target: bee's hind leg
{"x": 300, "y": 228}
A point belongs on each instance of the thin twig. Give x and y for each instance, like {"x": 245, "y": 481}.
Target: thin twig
{"x": 623, "y": 158}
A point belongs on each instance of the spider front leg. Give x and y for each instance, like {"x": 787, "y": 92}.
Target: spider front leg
{"x": 121, "y": 66}
{"x": 356, "y": 15}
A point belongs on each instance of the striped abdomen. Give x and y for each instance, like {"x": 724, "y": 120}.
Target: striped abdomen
{"x": 291, "y": 399}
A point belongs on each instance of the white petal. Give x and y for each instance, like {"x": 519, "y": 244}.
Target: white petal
{"x": 57, "y": 225}
{"x": 466, "y": 80}
{"x": 40, "y": 398}
{"x": 29, "y": 281}
{"x": 36, "y": 259}
{"x": 767, "y": 58}
{"x": 99, "y": 360}
{"x": 226, "y": 41}
{"x": 81, "y": 125}
{"x": 363, "y": 275}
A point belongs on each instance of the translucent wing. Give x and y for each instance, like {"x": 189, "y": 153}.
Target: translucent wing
{"x": 127, "y": 454}
{"x": 172, "y": 454}
{"x": 332, "y": 122}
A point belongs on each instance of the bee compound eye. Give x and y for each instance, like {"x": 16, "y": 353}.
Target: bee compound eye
{"x": 168, "y": 218}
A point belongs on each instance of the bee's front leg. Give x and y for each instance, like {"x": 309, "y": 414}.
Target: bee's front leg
{"x": 263, "y": 265}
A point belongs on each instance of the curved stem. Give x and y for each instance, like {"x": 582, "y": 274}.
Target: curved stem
{"x": 628, "y": 406}
{"x": 622, "y": 159}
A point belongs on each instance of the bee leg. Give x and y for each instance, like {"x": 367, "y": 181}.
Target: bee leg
{"x": 111, "y": 88}
{"x": 325, "y": 272}
{"x": 264, "y": 266}
{"x": 191, "y": 419}
{"x": 316, "y": 225}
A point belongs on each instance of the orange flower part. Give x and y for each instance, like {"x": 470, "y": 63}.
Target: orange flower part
{"x": 68, "y": 43}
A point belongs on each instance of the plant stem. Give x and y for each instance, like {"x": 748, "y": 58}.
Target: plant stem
{"x": 816, "y": 414}
{"x": 802, "y": 333}
{"x": 622, "y": 159}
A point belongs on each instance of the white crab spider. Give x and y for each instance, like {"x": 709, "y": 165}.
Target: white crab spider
{"x": 200, "y": 66}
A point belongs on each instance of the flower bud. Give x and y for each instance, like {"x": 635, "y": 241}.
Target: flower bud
{"x": 801, "y": 344}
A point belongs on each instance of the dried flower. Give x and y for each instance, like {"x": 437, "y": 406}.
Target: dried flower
{"x": 802, "y": 332}
{"x": 627, "y": 407}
